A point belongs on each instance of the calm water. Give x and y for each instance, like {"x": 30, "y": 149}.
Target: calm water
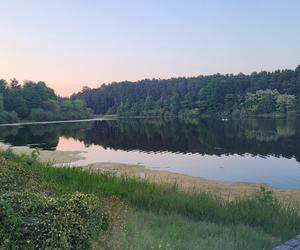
{"x": 260, "y": 151}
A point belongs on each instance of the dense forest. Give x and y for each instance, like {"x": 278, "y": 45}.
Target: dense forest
{"x": 263, "y": 93}
{"x": 36, "y": 102}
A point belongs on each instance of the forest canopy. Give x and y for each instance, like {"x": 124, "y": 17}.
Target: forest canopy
{"x": 37, "y": 102}
{"x": 262, "y": 93}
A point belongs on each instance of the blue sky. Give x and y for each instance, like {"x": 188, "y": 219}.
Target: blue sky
{"x": 71, "y": 43}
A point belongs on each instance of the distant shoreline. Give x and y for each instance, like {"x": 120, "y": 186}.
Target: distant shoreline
{"x": 102, "y": 118}
{"x": 115, "y": 117}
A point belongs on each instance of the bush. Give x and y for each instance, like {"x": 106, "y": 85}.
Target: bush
{"x": 37, "y": 221}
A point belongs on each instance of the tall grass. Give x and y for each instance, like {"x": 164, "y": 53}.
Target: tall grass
{"x": 269, "y": 215}
{"x": 149, "y": 230}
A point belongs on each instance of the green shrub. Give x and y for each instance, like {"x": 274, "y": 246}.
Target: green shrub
{"x": 37, "y": 221}
{"x": 18, "y": 177}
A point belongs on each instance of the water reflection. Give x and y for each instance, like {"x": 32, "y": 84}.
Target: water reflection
{"x": 257, "y": 137}
{"x": 257, "y": 150}
{"x": 264, "y": 137}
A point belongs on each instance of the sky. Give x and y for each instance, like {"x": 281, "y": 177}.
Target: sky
{"x": 74, "y": 43}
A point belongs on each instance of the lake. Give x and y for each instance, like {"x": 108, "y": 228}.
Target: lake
{"x": 255, "y": 150}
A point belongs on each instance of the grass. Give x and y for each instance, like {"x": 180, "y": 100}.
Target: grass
{"x": 159, "y": 216}
{"x": 149, "y": 230}
{"x": 262, "y": 211}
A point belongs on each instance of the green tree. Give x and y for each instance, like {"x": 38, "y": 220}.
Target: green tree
{"x": 14, "y": 101}
{"x": 1, "y": 103}
{"x": 230, "y": 103}
{"x": 286, "y": 103}
{"x": 36, "y": 93}
{"x": 175, "y": 104}
{"x": 67, "y": 105}
{"x": 51, "y": 105}
{"x": 79, "y": 105}
{"x": 3, "y": 85}
{"x": 149, "y": 104}
{"x": 14, "y": 84}
{"x": 211, "y": 98}
{"x": 261, "y": 102}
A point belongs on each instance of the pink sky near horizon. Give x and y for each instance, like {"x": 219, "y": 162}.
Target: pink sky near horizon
{"x": 74, "y": 43}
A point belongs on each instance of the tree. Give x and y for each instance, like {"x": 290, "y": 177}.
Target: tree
{"x": 3, "y": 85}
{"x": 297, "y": 70}
{"x": 1, "y": 103}
{"x": 266, "y": 100}
{"x": 35, "y": 101}
{"x": 149, "y": 104}
{"x": 14, "y": 101}
{"x": 211, "y": 97}
{"x": 230, "y": 103}
{"x": 79, "y": 105}
{"x": 251, "y": 103}
{"x": 261, "y": 102}
{"x": 36, "y": 93}
{"x": 51, "y": 105}
{"x": 14, "y": 83}
{"x": 286, "y": 103}
{"x": 175, "y": 104}
{"x": 66, "y": 105}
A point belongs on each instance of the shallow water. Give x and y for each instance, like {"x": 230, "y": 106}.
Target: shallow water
{"x": 257, "y": 150}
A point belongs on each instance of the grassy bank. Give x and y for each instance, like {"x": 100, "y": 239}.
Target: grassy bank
{"x": 125, "y": 213}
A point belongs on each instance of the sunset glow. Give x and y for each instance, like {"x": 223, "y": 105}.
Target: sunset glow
{"x": 69, "y": 44}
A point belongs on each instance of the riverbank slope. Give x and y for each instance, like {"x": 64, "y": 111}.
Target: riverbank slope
{"x": 172, "y": 218}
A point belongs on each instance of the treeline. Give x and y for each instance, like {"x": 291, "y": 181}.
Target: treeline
{"x": 262, "y": 93}
{"x": 36, "y": 102}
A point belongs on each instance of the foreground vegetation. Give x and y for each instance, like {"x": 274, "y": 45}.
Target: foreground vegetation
{"x": 46, "y": 207}
{"x": 37, "y": 102}
{"x": 264, "y": 93}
